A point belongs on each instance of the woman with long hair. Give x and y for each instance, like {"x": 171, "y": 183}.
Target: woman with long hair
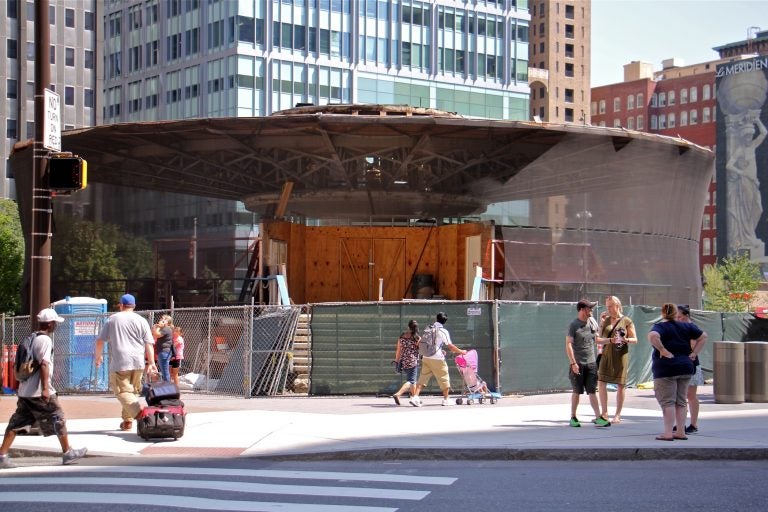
{"x": 407, "y": 356}
{"x": 616, "y": 332}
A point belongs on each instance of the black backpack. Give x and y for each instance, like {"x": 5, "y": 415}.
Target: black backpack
{"x": 25, "y": 365}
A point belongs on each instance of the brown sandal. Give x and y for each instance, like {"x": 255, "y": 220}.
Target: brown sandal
{"x": 126, "y": 425}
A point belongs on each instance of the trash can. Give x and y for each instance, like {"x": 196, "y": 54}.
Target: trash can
{"x": 728, "y": 372}
{"x": 756, "y": 357}
{"x": 74, "y": 341}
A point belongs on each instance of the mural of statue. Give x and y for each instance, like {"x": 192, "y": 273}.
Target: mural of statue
{"x": 741, "y": 97}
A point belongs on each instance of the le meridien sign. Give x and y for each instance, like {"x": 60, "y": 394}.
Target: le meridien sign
{"x": 52, "y": 121}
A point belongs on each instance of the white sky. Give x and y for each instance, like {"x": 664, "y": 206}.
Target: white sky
{"x": 654, "y": 30}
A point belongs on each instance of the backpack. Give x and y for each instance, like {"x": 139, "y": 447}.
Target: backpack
{"x": 24, "y": 366}
{"x": 430, "y": 341}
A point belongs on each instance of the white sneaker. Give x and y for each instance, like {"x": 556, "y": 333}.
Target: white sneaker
{"x": 447, "y": 401}
{"x": 5, "y": 462}
{"x": 73, "y": 455}
{"x": 416, "y": 402}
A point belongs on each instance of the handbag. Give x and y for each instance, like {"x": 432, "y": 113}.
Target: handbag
{"x": 398, "y": 366}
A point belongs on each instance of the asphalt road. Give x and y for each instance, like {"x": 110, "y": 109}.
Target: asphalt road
{"x": 241, "y": 484}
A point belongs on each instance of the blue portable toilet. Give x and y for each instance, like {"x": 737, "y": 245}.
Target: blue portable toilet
{"x": 74, "y": 342}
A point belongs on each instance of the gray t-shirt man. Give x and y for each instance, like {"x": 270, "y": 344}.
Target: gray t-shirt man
{"x": 583, "y": 334}
{"x": 127, "y": 334}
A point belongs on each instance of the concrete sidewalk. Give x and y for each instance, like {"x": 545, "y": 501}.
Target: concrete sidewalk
{"x": 528, "y": 427}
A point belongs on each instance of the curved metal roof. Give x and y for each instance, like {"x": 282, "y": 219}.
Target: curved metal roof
{"x": 352, "y": 160}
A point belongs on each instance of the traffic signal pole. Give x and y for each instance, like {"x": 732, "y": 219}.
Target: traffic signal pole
{"x": 42, "y": 205}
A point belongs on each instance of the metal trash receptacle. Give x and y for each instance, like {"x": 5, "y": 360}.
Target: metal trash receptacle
{"x": 756, "y": 357}
{"x": 729, "y": 372}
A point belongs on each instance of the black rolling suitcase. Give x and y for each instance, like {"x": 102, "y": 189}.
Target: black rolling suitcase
{"x": 156, "y": 392}
{"x": 165, "y": 419}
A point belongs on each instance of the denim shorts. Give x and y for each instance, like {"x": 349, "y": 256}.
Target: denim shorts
{"x": 411, "y": 374}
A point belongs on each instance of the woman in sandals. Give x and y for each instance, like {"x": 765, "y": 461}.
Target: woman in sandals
{"x": 407, "y": 355}
{"x": 617, "y": 331}
{"x": 675, "y": 346}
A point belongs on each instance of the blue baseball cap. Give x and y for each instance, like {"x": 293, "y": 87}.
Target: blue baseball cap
{"x": 128, "y": 300}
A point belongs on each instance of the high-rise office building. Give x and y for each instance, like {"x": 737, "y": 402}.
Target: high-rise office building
{"x": 74, "y": 28}
{"x": 559, "y": 60}
{"x": 233, "y": 58}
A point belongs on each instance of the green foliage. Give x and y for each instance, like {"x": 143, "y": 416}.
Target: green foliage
{"x": 11, "y": 257}
{"x": 731, "y": 285}
{"x": 89, "y": 251}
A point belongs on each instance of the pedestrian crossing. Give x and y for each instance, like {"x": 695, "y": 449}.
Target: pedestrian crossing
{"x": 219, "y": 489}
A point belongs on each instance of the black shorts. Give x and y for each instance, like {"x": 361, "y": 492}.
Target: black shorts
{"x": 586, "y": 380}
{"x": 174, "y": 363}
{"x": 47, "y": 414}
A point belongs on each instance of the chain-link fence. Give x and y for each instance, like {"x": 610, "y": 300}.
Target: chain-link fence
{"x": 240, "y": 351}
{"x": 248, "y": 350}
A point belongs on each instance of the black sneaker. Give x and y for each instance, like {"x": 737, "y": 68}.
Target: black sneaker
{"x": 691, "y": 429}
{"x": 674, "y": 428}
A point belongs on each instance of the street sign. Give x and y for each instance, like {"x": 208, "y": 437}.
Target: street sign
{"x": 52, "y": 121}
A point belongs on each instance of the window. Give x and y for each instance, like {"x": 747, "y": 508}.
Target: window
{"x": 52, "y": 54}
{"x": 88, "y": 59}
{"x": 654, "y": 100}
{"x": 706, "y": 247}
{"x": 569, "y": 69}
{"x": 631, "y": 102}
{"x": 602, "y": 106}
{"x": 662, "y": 99}
{"x": 706, "y": 92}
{"x": 617, "y": 123}
{"x": 568, "y": 115}
{"x": 662, "y": 122}
{"x": 706, "y": 224}
{"x": 69, "y": 18}
{"x": 617, "y": 104}
{"x": 569, "y": 95}
{"x": 693, "y": 117}
{"x": 10, "y": 8}
{"x": 30, "y": 51}
{"x": 69, "y": 57}
{"x": 639, "y": 100}
{"x": 11, "y": 89}
{"x": 683, "y": 96}
{"x": 640, "y": 126}
{"x": 631, "y": 123}
{"x": 593, "y": 108}
{"x": 569, "y": 12}
{"x": 10, "y": 129}
{"x": 705, "y": 115}
{"x": 671, "y": 98}
{"x": 69, "y": 95}
{"x": 88, "y": 98}
{"x": 89, "y": 20}
{"x": 684, "y": 117}
{"x": 671, "y": 120}
{"x": 694, "y": 94}
{"x": 654, "y": 123}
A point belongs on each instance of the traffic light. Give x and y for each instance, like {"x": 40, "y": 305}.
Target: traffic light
{"x": 67, "y": 173}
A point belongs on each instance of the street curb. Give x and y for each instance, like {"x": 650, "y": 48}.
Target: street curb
{"x": 585, "y": 454}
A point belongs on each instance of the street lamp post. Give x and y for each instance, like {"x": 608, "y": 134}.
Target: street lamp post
{"x": 584, "y": 216}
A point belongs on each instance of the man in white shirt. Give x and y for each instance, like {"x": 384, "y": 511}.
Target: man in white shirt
{"x": 37, "y": 401}
{"x": 435, "y": 365}
{"x": 131, "y": 346}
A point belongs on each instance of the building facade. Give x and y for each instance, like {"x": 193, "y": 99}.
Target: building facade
{"x": 241, "y": 58}
{"x": 678, "y": 101}
{"x": 74, "y": 29}
{"x": 559, "y": 58}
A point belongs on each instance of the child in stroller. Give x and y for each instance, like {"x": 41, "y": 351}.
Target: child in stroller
{"x": 475, "y": 387}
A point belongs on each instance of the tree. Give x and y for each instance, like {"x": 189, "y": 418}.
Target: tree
{"x": 731, "y": 284}
{"x": 11, "y": 257}
{"x": 89, "y": 251}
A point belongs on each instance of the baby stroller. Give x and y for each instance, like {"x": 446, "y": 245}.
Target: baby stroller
{"x": 475, "y": 388}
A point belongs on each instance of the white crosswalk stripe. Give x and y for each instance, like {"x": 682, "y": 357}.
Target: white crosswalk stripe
{"x": 89, "y": 486}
